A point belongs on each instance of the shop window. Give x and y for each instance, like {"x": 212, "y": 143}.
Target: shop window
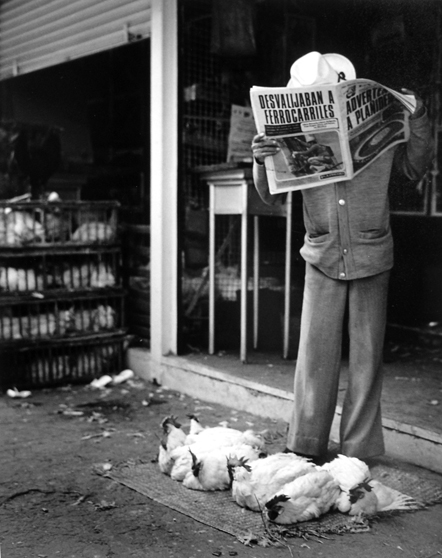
{"x": 206, "y": 108}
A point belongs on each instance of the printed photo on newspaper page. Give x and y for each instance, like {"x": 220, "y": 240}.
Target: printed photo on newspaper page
{"x": 309, "y": 127}
{"x": 328, "y": 133}
{"x": 376, "y": 121}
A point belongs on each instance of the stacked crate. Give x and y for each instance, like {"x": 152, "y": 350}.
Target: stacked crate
{"x": 61, "y": 296}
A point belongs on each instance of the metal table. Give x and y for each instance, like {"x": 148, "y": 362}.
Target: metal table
{"x": 232, "y": 192}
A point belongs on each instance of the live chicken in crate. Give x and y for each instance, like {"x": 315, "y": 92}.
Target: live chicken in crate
{"x": 32, "y": 223}
{"x": 61, "y": 297}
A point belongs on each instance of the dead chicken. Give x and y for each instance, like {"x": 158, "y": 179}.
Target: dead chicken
{"x": 195, "y": 425}
{"x": 372, "y": 497}
{"x": 218, "y": 436}
{"x": 209, "y": 470}
{"x": 173, "y": 437}
{"x": 305, "y": 498}
{"x": 253, "y": 484}
{"x": 350, "y": 473}
{"x": 184, "y": 462}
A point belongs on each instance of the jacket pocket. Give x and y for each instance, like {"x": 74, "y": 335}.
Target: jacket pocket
{"x": 373, "y": 233}
{"x": 318, "y": 238}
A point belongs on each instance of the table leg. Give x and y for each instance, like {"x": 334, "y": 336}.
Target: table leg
{"x": 212, "y": 271}
{"x": 243, "y": 347}
{"x": 255, "y": 280}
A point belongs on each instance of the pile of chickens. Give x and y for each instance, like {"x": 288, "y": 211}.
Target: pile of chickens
{"x": 85, "y": 276}
{"x": 286, "y": 487}
{"x": 59, "y": 323}
{"x": 49, "y": 224}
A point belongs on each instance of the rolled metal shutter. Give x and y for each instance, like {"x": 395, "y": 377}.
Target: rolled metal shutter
{"x": 36, "y": 34}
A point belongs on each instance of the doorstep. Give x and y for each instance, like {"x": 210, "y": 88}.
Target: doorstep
{"x": 263, "y": 387}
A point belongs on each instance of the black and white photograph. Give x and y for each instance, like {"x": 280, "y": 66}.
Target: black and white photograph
{"x": 220, "y": 278}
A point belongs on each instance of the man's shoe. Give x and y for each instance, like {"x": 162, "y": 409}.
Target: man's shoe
{"x": 318, "y": 460}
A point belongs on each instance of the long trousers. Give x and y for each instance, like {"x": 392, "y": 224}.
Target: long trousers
{"x": 319, "y": 362}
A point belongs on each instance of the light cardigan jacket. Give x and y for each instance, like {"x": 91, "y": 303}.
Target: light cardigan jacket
{"x": 347, "y": 224}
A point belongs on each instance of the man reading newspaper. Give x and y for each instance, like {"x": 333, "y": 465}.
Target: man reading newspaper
{"x": 348, "y": 249}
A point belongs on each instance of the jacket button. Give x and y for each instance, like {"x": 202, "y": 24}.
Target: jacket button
{"x": 342, "y": 275}
{"x": 344, "y": 251}
{"x": 341, "y": 202}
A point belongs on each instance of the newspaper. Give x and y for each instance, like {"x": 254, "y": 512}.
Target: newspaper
{"x": 328, "y": 133}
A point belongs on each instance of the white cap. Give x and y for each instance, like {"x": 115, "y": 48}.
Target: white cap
{"x": 320, "y": 69}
